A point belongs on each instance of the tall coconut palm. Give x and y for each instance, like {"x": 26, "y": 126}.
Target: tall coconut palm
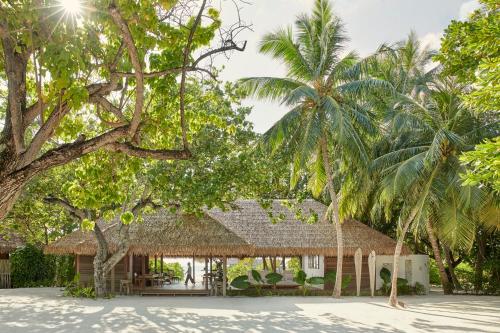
{"x": 328, "y": 112}
{"x": 428, "y": 127}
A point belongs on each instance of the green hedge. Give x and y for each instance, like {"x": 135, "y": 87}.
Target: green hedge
{"x": 31, "y": 268}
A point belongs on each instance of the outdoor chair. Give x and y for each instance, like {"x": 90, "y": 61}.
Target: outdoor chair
{"x": 125, "y": 286}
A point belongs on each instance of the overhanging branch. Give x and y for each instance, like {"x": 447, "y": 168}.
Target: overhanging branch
{"x": 157, "y": 154}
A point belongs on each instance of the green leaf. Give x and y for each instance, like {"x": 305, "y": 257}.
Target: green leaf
{"x": 88, "y": 225}
{"x": 240, "y": 282}
{"x": 315, "y": 280}
{"x": 127, "y": 217}
{"x": 256, "y": 276}
{"x": 274, "y": 278}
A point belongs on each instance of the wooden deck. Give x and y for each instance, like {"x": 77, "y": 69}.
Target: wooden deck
{"x": 173, "y": 292}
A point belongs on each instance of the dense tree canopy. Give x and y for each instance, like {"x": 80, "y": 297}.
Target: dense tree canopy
{"x": 79, "y": 82}
{"x": 469, "y": 52}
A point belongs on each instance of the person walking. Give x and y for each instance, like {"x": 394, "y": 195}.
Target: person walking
{"x": 189, "y": 277}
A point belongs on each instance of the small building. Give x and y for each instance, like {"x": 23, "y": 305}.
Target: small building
{"x": 245, "y": 230}
{"x": 8, "y": 244}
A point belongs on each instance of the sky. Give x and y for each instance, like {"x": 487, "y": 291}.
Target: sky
{"x": 368, "y": 23}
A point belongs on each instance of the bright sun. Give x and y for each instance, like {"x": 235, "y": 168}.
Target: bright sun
{"x": 71, "y": 7}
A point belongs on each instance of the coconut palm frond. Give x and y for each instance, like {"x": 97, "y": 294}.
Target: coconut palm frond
{"x": 270, "y": 88}
{"x": 280, "y": 45}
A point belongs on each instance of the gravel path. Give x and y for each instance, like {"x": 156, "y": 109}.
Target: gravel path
{"x": 45, "y": 310}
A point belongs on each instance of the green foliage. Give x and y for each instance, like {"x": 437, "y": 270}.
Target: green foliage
{"x": 301, "y": 279}
{"x": 31, "y": 268}
{"x": 256, "y": 276}
{"x": 469, "y": 53}
{"x": 176, "y": 267}
{"x": 434, "y": 277}
{"x": 73, "y": 289}
{"x": 483, "y": 165}
{"x": 240, "y": 282}
{"x": 325, "y": 93}
{"x": 127, "y": 217}
{"x": 331, "y": 276}
{"x": 385, "y": 275}
{"x": 273, "y": 278}
{"x": 240, "y": 268}
{"x": 293, "y": 264}
{"x": 419, "y": 289}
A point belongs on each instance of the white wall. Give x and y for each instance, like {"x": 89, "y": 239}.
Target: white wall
{"x": 311, "y": 271}
{"x": 414, "y": 268}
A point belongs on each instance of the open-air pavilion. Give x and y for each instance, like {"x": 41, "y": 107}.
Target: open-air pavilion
{"x": 245, "y": 230}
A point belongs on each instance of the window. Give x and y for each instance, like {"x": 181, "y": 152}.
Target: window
{"x": 313, "y": 262}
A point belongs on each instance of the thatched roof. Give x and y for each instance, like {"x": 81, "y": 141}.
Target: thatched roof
{"x": 9, "y": 242}
{"x": 291, "y": 236}
{"x": 245, "y": 230}
{"x": 160, "y": 233}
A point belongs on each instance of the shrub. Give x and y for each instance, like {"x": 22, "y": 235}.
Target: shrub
{"x": 240, "y": 268}
{"x": 30, "y": 268}
{"x": 240, "y": 282}
{"x": 419, "y": 288}
{"x": 173, "y": 266}
{"x": 294, "y": 265}
{"x": 74, "y": 290}
{"x": 434, "y": 273}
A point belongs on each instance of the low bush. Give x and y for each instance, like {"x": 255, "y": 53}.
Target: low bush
{"x": 73, "y": 289}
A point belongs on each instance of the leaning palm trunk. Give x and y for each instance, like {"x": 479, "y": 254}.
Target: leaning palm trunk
{"x": 336, "y": 218}
{"x": 447, "y": 287}
{"x": 451, "y": 268}
{"x": 393, "y": 299}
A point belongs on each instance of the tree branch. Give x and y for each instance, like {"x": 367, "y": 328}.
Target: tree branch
{"x": 134, "y": 58}
{"x": 182, "y": 91}
{"x": 173, "y": 70}
{"x": 72, "y": 210}
{"x": 108, "y": 106}
{"x": 157, "y": 154}
{"x": 232, "y": 46}
{"x": 44, "y": 133}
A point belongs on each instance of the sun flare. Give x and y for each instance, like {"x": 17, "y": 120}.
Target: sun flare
{"x": 71, "y": 7}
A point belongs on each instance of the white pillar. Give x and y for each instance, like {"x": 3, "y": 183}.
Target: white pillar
{"x": 224, "y": 276}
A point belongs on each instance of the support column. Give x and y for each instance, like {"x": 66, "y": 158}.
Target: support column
{"x": 206, "y": 273}
{"x": 130, "y": 266}
{"x": 224, "y": 276}
{"x": 156, "y": 267}
{"x": 194, "y": 274}
{"x": 113, "y": 279}
{"x": 78, "y": 265}
{"x": 283, "y": 264}
{"x": 161, "y": 264}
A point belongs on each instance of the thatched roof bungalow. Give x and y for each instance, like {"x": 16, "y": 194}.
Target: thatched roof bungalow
{"x": 9, "y": 243}
{"x": 160, "y": 233}
{"x": 292, "y": 236}
{"x": 245, "y": 230}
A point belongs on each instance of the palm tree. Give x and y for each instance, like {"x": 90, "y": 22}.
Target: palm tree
{"x": 427, "y": 127}
{"x": 328, "y": 111}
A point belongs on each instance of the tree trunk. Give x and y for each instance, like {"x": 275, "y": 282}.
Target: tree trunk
{"x": 99, "y": 260}
{"x": 264, "y": 264}
{"x": 393, "y": 298}
{"x": 451, "y": 267}
{"x": 479, "y": 265}
{"x": 336, "y": 218}
{"x": 447, "y": 286}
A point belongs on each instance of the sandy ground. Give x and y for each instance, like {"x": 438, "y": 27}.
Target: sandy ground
{"x": 45, "y": 310}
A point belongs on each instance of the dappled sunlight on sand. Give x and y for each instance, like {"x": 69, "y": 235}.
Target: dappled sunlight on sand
{"x": 45, "y": 310}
